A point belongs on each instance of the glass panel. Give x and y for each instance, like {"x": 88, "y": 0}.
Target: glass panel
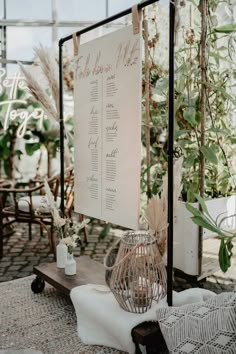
{"x": 81, "y": 10}
{"x": 118, "y": 6}
{"x": 1, "y": 9}
{"x": 66, "y": 31}
{"x": 29, "y": 9}
{"x": 12, "y": 69}
{"x": 97, "y": 32}
{"x": 22, "y": 40}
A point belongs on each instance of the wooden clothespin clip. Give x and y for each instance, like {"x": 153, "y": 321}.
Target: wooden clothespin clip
{"x": 136, "y": 18}
{"x": 76, "y": 43}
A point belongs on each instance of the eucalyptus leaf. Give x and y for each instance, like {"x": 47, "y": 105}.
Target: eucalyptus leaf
{"x": 193, "y": 210}
{"x": 190, "y": 115}
{"x": 202, "y": 204}
{"x": 181, "y": 132}
{"x": 233, "y": 140}
{"x": 230, "y": 245}
{"x": 221, "y": 255}
{"x": 230, "y": 28}
{"x": 207, "y": 224}
{"x": 198, "y": 117}
{"x": 209, "y": 154}
{"x": 190, "y": 159}
{"x": 225, "y": 255}
{"x": 31, "y": 148}
{"x": 201, "y": 221}
{"x": 217, "y": 130}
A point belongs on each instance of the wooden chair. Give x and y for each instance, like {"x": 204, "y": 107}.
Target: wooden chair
{"x": 23, "y": 205}
{"x": 26, "y": 205}
{"x": 8, "y": 230}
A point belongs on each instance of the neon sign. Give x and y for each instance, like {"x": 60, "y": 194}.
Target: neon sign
{"x": 11, "y": 85}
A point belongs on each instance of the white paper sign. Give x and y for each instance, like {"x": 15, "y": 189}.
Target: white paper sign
{"x": 108, "y": 128}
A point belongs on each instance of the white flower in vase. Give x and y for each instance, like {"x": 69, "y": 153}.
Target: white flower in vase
{"x": 71, "y": 242}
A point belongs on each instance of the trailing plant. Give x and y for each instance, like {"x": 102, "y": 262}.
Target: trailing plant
{"x": 194, "y": 83}
{"x": 203, "y": 218}
{"x": 154, "y": 160}
{"x": 213, "y": 90}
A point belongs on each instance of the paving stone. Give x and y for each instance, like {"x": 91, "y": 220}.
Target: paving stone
{"x": 19, "y": 258}
{"x": 21, "y": 263}
{"x": 87, "y": 253}
{"x": 44, "y": 242}
{"x": 5, "y": 258}
{"x": 11, "y": 241}
{"x": 14, "y": 254}
{"x": 101, "y": 247}
{"x": 16, "y": 250}
{"x": 89, "y": 246}
{"x": 25, "y": 274}
{"x": 14, "y": 267}
{"x": 27, "y": 268}
{"x": 33, "y": 258}
{"x": 50, "y": 256}
{"x": 45, "y": 260}
{"x": 76, "y": 254}
{"x": 18, "y": 233}
{"x": 4, "y": 264}
{"x": 28, "y": 254}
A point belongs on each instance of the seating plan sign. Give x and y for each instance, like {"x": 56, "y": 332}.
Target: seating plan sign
{"x": 107, "y": 138}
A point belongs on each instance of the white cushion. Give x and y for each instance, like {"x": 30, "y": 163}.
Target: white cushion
{"x": 204, "y": 327}
{"x": 39, "y": 202}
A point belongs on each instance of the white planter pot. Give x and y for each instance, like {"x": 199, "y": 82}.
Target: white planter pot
{"x": 186, "y": 243}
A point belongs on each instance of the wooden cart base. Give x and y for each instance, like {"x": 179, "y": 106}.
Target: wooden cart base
{"x": 88, "y": 271}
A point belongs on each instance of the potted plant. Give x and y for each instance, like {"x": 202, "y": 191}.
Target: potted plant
{"x": 204, "y": 131}
{"x": 204, "y": 103}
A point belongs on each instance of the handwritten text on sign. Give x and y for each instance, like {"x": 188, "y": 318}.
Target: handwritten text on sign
{"x": 108, "y": 128}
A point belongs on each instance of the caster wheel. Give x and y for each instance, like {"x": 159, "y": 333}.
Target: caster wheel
{"x": 37, "y": 285}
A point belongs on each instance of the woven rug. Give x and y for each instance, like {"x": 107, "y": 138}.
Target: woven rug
{"x": 43, "y": 322}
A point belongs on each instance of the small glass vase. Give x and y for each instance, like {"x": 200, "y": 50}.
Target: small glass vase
{"x": 70, "y": 267}
{"x": 61, "y": 254}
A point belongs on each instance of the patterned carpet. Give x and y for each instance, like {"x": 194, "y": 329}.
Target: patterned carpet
{"x": 43, "y": 322}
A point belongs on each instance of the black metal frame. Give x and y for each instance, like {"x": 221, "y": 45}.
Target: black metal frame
{"x": 170, "y": 123}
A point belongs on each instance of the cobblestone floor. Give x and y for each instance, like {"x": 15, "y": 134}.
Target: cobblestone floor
{"x": 20, "y": 255}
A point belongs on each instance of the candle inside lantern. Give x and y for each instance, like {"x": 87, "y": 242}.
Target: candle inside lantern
{"x": 140, "y": 292}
